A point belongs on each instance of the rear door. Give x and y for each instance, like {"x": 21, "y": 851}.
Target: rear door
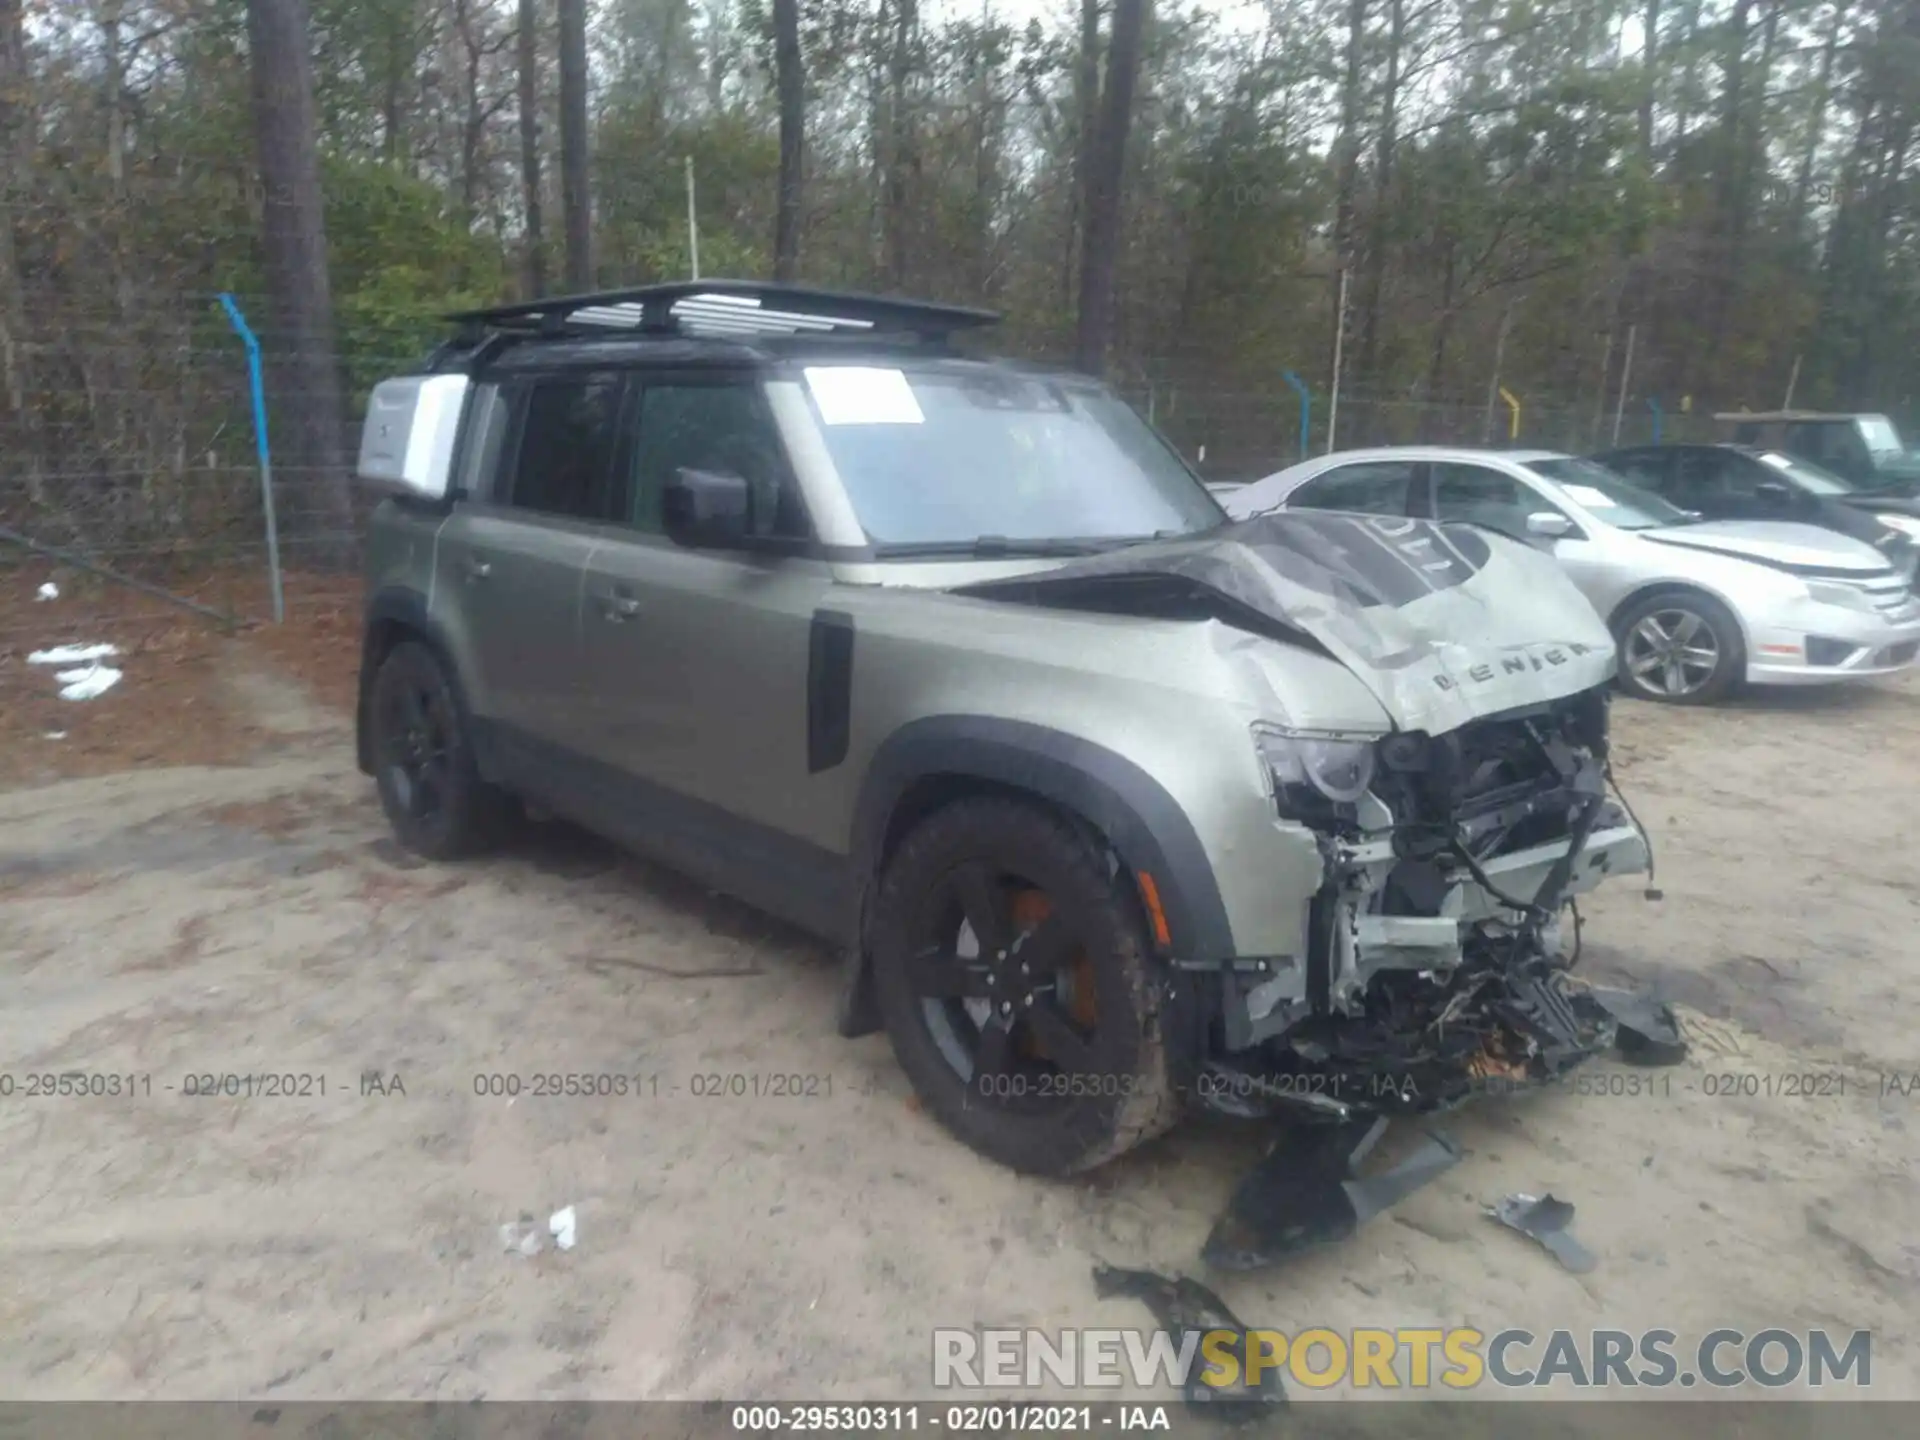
{"x": 698, "y": 661}
{"x": 509, "y": 560}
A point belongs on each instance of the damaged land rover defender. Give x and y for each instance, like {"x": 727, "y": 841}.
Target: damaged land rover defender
{"x": 1114, "y": 807}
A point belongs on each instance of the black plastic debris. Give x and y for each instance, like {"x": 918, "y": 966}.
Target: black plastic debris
{"x": 1550, "y": 1222}
{"x": 1648, "y": 1032}
{"x": 1182, "y": 1307}
{"x": 1305, "y": 1193}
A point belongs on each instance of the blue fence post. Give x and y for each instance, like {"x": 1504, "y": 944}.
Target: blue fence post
{"x": 1658, "y": 418}
{"x": 1306, "y": 406}
{"x": 258, "y": 385}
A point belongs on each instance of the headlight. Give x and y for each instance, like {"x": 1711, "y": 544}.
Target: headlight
{"x": 1303, "y": 764}
{"x": 1850, "y": 596}
{"x": 1908, "y": 525}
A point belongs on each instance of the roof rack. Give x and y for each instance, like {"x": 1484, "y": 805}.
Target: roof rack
{"x": 728, "y": 310}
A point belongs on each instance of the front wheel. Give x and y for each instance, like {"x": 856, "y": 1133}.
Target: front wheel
{"x": 423, "y": 759}
{"x": 1013, "y": 974}
{"x": 1680, "y": 648}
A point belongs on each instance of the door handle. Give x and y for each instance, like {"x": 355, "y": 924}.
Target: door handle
{"x": 477, "y": 569}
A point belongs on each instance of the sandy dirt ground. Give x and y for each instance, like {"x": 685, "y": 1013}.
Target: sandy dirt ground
{"x": 162, "y": 924}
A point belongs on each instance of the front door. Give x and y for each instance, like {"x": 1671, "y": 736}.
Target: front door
{"x": 697, "y": 661}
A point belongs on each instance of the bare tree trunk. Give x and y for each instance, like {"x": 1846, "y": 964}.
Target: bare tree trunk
{"x": 310, "y": 413}
{"x": 473, "y": 119}
{"x": 1100, "y": 245}
{"x": 902, "y": 156}
{"x": 1086, "y": 88}
{"x": 576, "y": 197}
{"x": 1649, "y": 58}
{"x": 1347, "y": 167}
{"x": 530, "y": 183}
{"x": 1375, "y": 268}
{"x": 790, "y": 81}
{"x": 1817, "y": 121}
{"x": 23, "y": 443}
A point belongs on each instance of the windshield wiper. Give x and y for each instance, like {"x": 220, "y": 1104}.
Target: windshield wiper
{"x": 986, "y": 547}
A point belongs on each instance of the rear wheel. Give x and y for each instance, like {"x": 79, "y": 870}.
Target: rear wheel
{"x": 1681, "y": 648}
{"x": 423, "y": 760}
{"x": 1013, "y": 974}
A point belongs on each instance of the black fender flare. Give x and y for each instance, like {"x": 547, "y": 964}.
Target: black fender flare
{"x": 1132, "y": 810}
{"x": 400, "y": 608}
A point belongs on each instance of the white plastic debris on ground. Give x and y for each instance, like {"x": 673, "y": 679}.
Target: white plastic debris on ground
{"x": 72, "y": 654}
{"x": 87, "y": 682}
{"x": 89, "y": 678}
{"x": 47, "y": 591}
{"x": 561, "y": 1224}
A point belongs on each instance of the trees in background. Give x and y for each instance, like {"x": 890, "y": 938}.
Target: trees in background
{"x": 1731, "y": 180}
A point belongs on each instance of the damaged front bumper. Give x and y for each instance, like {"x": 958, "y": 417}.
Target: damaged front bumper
{"x": 1434, "y": 958}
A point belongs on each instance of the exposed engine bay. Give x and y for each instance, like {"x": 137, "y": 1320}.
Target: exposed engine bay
{"x": 1438, "y": 949}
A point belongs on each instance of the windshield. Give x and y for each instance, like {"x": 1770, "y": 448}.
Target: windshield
{"x": 1609, "y": 498}
{"x": 1808, "y": 476}
{"x": 936, "y": 457}
{"x": 1881, "y": 437}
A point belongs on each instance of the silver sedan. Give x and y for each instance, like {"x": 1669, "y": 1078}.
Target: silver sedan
{"x": 1698, "y": 606}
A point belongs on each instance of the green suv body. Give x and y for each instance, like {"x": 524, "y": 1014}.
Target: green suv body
{"x": 1112, "y": 806}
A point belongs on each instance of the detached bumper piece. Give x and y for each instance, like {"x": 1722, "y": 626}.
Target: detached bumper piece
{"x": 1306, "y": 1193}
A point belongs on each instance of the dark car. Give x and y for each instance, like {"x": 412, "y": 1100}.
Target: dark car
{"x": 1864, "y": 449}
{"x": 1743, "y": 482}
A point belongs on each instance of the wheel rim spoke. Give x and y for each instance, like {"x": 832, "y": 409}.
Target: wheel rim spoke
{"x": 1042, "y": 949}
{"x": 1688, "y": 627}
{"x": 1650, "y": 633}
{"x": 994, "y": 1054}
{"x": 1061, "y": 1042}
{"x": 1673, "y": 676}
{"x": 940, "y": 973}
{"x": 983, "y": 902}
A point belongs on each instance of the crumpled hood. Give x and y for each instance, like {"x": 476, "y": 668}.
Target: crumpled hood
{"x": 1442, "y": 623}
{"x": 1783, "y": 544}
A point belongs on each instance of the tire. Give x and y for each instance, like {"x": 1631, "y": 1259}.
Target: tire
{"x": 1689, "y": 629}
{"x": 1050, "y": 1060}
{"x": 423, "y": 760}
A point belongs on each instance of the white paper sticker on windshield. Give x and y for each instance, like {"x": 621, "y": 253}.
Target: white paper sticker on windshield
{"x": 1587, "y": 495}
{"x": 1779, "y": 462}
{"x": 863, "y": 395}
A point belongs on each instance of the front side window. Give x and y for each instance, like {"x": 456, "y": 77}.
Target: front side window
{"x": 1607, "y": 497}
{"x": 950, "y": 455}
{"x": 1475, "y": 495}
{"x": 723, "y": 427}
{"x": 1375, "y": 488}
{"x": 564, "y": 462}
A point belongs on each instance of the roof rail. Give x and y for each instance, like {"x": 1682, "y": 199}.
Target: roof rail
{"x": 728, "y": 310}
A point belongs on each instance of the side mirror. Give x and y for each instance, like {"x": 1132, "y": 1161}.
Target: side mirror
{"x": 708, "y": 508}
{"x": 1549, "y": 524}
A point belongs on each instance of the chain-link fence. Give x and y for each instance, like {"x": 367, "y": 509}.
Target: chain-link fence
{"x": 130, "y": 479}
{"x": 131, "y": 485}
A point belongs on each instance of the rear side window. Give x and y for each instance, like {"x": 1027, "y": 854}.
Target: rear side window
{"x": 564, "y": 462}
{"x": 1376, "y": 488}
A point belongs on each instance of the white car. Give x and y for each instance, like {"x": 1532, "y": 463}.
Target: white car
{"x": 1697, "y": 606}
